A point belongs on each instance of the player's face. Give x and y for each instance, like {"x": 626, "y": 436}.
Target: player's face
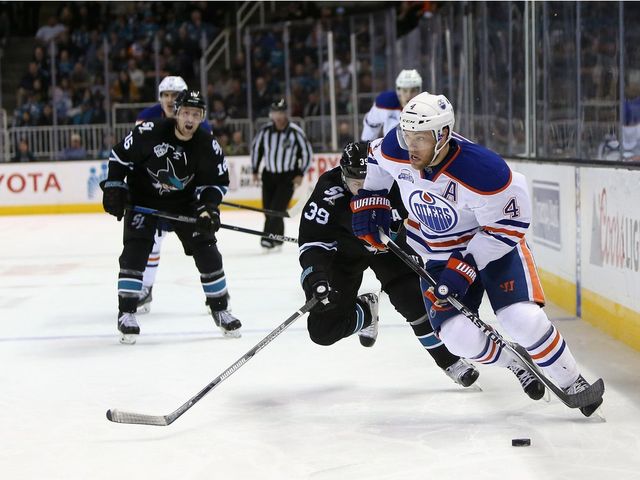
{"x": 406, "y": 94}
{"x": 421, "y": 146}
{"x": 188, "y": 120}
{"x": 167, "y": 99}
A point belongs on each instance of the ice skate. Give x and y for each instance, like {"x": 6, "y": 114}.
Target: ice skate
{"x": 229, "y": 324}
{"x": 144, "y": 301}
{"x": 128, "y": 327}
{"x": 578, "y": 386}
{"x": 368, "y": 335}
{"x": 462, "y": 372}
{"x": 528, "y": 381}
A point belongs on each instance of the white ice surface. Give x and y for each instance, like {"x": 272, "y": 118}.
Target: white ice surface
{"x": 296, "y": 411}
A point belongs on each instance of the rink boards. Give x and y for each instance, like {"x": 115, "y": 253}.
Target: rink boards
{"x": 585, "y": 230}
{"x": 586, "y": 238}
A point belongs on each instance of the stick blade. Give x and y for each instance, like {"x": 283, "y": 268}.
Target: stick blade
{"x": 588, "y": 396}
{"x": 119, "y": 416}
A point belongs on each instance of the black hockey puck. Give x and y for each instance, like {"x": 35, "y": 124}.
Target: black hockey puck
{"x": 521, "y": 442}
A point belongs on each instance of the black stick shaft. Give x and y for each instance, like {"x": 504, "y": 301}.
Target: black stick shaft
{"x": 120, "y": 416}
{"x": 266, "y": 211}
{"x": 186, "y": 219}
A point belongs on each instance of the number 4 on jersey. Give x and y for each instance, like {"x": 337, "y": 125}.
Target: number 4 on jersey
{"x": 511, "y": 208}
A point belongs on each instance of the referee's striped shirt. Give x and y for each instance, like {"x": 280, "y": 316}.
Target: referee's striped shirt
{"x": 281, "y": 151}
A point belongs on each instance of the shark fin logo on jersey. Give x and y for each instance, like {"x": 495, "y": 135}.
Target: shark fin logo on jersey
{"x": 166, "y": 180}
{"x": 405, "y": 174}
{"x": 433, "y": 211}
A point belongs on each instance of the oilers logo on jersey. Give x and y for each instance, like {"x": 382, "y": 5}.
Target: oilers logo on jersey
{"x": 432, "y": 211}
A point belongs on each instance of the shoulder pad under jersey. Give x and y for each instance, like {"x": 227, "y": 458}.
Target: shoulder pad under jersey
{"x": 479, "y": 169}
{"x": 391, "y": 149}
{"x": 388, "y": 100}
{"x": 152, "y": 112}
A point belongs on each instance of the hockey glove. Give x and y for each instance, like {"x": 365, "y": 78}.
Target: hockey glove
{"x": 208, "y": 219}
{"x": 456, "y": 278}
{"x": 114, "y": 197}
{"x": 316, "y": 284}
{"x": 370, "y": 211}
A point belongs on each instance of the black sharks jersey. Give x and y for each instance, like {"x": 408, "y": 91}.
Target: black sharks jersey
{"x": 166, "y": 173}
{"x": 325, "y": 224}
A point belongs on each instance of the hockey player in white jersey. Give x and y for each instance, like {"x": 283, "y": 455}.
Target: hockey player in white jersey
{"x": 468, "y": 214}
{"x": 385, "y": 112}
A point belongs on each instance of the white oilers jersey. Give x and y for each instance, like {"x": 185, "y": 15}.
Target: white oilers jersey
{"x": 471, "y": 202}
{"x": 384, "y": 114}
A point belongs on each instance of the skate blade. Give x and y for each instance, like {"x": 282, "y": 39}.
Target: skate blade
{"x": 598, "y": 415}
{"x": 128, "y": 338}
{"x": 231, "y": 333}
{"x": 474, "y": 386}
{"x": 547, "y": 396}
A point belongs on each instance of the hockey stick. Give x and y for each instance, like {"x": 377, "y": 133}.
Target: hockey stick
{"x": 266, "y": 211}
{"x": 576, "y": 400}
{"x": 187, "y": 219}
{"x": 121, "y": 416}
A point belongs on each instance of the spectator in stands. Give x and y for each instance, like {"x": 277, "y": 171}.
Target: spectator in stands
{"x": 262, "y": 98}
{"x": 51, "y": 31}
{"x": 75, "y": 150}
{"x": 79, "y": 79}
{"x": 236, "y": 101}
{"x": 46, "y": 117}
{"x": 124, "y": 90}
{"x": 65, "y": 64}
{"x": 24, "y": 153}
{"x": 62, "y": 100}
{"x": 237, "y": 146}
{"x": 312, "y": 105}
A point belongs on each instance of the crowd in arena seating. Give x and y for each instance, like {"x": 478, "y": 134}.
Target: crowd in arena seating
{"x": 137, "y": 35}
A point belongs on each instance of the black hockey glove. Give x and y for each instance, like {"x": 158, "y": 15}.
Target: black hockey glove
{"x": 315, "y": 283}
{"x": 114, "y": 197}
{"x": 208, "y": 220}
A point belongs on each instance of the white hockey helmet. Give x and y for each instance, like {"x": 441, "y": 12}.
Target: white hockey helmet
{"x": 171, "y": 84}
{"x": 409, "y": 79}
{"x": 426, "y": 112}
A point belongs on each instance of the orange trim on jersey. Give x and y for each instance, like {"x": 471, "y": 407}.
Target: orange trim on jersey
{"x": 547, "y": 350}
{"x": 154, "y": 259}
{"x": 393, "y": 159}
{"x": 448, "y": 243}
{"x": 453, "y": 157}
{"x": 513, "y": 233}
{"x": 490, "y": 354}
{"x": 536, "y": 286}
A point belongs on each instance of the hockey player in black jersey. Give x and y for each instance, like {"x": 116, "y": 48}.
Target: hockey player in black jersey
{"x": 333, "y": 261}
{"x": 170, "y": 165}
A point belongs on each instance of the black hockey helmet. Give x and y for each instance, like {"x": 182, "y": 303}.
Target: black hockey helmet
{"x": 190, "y": 98}
{"x": 279, "y": 105}
{"x": 353, "y": 162}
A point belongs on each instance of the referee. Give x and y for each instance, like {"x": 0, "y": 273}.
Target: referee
{"x": 286, "y": 154}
